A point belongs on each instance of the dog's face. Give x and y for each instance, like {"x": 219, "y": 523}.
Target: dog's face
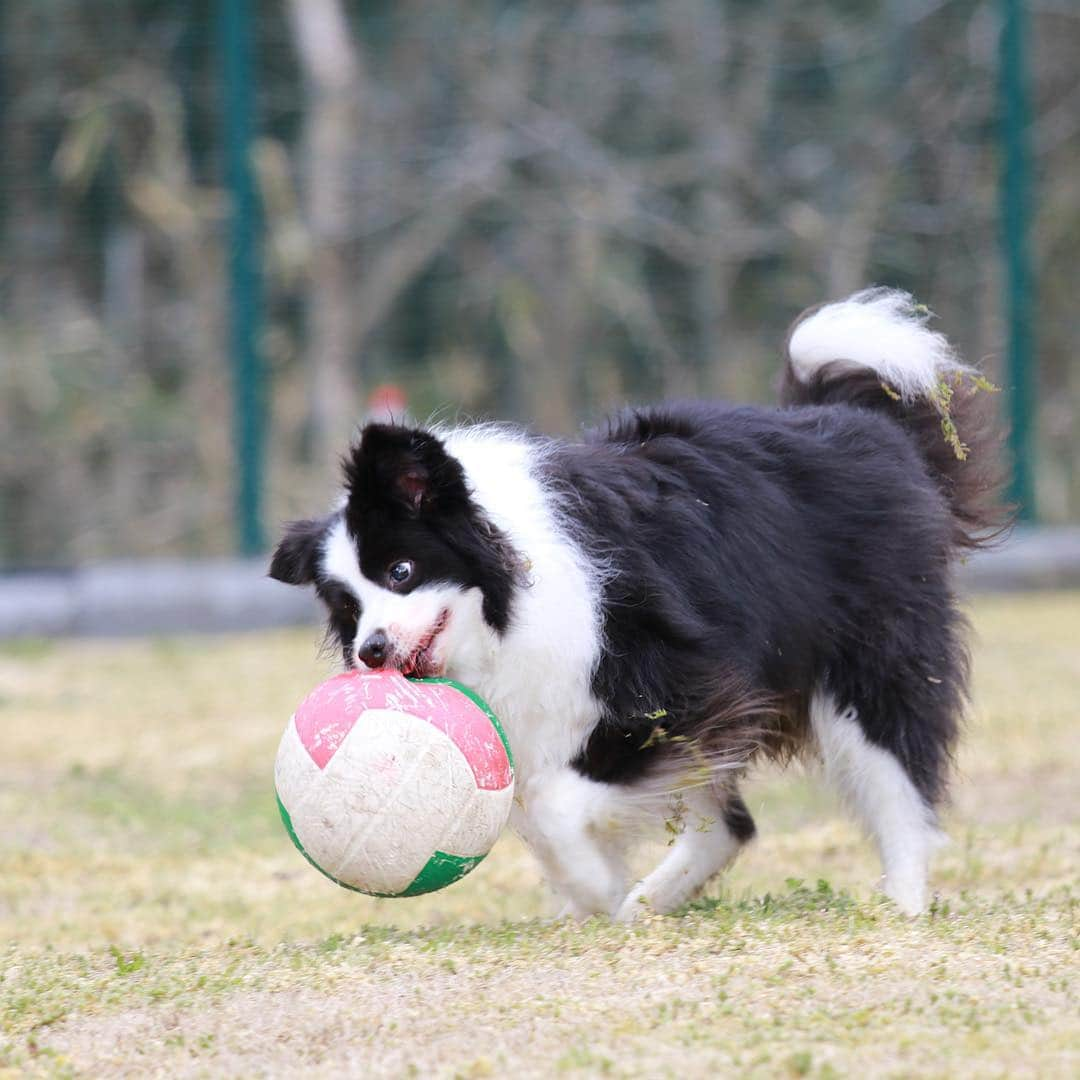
{"x": 412, "y": 573}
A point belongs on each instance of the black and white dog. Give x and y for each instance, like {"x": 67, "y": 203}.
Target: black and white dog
{"x": 649, "y": 609}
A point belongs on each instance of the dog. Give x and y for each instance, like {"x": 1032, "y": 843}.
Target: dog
{"x": 685, "y": 590}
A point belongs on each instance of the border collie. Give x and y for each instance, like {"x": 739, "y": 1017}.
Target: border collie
{"x": 691, "y": 587}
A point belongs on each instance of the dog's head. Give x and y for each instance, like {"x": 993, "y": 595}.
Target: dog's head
{"x": 409, "y": 567}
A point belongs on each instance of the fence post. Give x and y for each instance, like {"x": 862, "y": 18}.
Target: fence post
{"x": 245, "y": 281}
{"x": 1015, "y": 130}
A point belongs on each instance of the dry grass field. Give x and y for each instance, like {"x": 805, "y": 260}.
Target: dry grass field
{"x": 155, "y": 919}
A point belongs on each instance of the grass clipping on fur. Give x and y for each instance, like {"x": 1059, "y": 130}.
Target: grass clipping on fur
{"x": 941, "y": 397}
{"x": 155, "y": 919}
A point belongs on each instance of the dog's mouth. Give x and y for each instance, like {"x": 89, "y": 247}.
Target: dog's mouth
{"x": 421, "y": 662}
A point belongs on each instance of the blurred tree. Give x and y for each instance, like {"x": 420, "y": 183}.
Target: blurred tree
{"x": 528, "y": 211}
{"x": 335, "y": 91}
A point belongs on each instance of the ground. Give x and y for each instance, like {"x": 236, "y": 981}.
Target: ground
{"x": 155, "y": 919}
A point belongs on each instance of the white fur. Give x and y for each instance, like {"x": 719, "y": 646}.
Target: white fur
{"x": 574, "y": 827}
{"x": 406, "y": 618}
{"x": 580, "y": 830}
{"x": 702, "y": 847}
{"x": 880, "y": 329}
{"x": 882, "y": 796}
{"x": 538, "y": 675}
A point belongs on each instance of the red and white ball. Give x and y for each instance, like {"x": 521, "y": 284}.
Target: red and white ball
{"x": 393, "y": 786}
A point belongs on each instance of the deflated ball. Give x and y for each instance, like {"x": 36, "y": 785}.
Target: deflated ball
{"x": 393, "y": 786}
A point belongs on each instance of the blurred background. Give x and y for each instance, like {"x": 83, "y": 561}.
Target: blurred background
{"x": 229, "y": 230}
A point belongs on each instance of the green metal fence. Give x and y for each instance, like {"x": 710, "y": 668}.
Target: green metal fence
{"x": 245, "y": 284}
{"x": 529, "y": 213}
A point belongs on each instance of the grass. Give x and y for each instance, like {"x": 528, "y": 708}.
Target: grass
{"x": 155, "y": 919}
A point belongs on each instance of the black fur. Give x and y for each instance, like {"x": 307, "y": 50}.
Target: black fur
{"x": 296, "y": 562}
{"x": 342, "y": 616}
{"x": 296, "y": 559}
{"x": 970, "y": 475}
{"x": 738, "y": 820}
{"x": 758, "y": 554}
{"x": 406, "y": 499}
{"x": 752, "y": 557}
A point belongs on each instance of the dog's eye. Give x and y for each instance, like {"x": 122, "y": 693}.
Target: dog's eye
{"x": 401, "y": 572}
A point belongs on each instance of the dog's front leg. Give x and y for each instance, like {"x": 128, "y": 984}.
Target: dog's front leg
{"x": 710, "y": 828}
{"x": 568, "y": 821}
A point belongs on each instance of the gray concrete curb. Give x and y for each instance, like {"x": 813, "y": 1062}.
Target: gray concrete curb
{"x": 158, "y": 597}
{"x": 219, "y": 595}
{"x": 1031, "y": 558}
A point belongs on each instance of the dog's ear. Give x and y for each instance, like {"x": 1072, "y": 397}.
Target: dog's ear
{"x": 404, "y": 468}
{"x": 296, "y": 558}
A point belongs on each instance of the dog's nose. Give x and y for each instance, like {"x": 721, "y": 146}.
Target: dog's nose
{"x": 373, "y": 651}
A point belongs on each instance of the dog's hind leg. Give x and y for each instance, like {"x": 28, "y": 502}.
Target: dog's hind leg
{"x": 882, "y": 795}
{"x": 709, "y": 826}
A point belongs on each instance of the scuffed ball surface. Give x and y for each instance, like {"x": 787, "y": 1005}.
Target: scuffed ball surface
{"x": 392, "y": 786}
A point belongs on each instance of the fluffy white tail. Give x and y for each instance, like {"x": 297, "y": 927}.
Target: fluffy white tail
{"x": 880, "y": 329}
{"x": 874, "y": 352}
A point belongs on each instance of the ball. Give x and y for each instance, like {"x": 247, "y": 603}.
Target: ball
{"x": 393, "y": 786}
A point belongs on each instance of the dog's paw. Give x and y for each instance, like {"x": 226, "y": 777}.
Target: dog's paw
{"x": 571, "y": 912}
{"x": 635, "y": 907}
{"x": 574, "y": 911}
{"x": 908, "y": 895}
